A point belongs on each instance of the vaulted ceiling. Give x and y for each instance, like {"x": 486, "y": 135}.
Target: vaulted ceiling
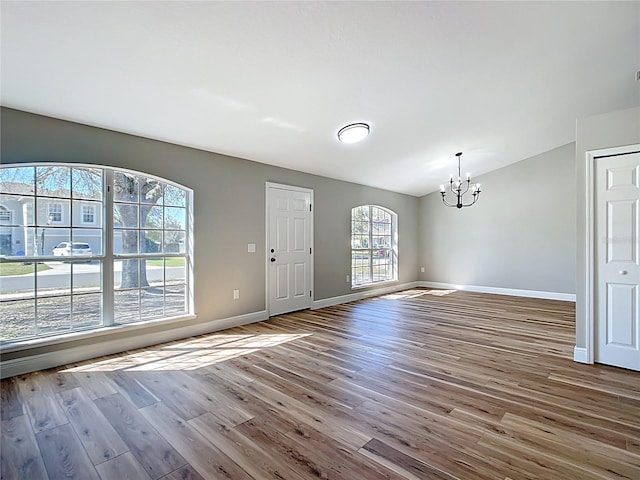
{"x": 274, "y": 81}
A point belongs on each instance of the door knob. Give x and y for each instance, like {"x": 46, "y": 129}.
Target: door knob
{"x": 622, "y": 272}
{"x": 273, "y": 259}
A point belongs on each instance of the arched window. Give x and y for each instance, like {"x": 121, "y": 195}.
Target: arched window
{"x": 374, "y": 245}
{"x": 92, "y": 247}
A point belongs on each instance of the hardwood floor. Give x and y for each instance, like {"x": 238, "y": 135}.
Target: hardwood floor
{"x": 422, "y": 384}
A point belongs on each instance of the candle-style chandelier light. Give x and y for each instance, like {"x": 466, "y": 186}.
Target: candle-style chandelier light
{"x": 459, "y": 188}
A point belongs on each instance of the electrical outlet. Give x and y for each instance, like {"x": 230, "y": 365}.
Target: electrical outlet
{"x": 236, "y": 294}
{"x": 348, "y": 278}
{"x": 422, "y": 269}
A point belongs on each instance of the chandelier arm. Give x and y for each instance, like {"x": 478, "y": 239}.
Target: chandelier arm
{"x": 475, "y": 199}
{"x": 444, "y": 200}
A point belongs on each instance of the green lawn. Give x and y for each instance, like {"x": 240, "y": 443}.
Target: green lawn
{"x": 19, "y": 268}
{"x": 171, "y": 262}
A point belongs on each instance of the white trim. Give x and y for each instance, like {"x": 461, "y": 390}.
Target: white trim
{"x": 567, "y": 297}
{"x": 372, "y": 292}
{"x": 267, "y": 232}
{"x": 94, "y": 210}
{"x": 580, "y": 355}
{"x": 54, "y": 203}
{"x": 32, "y": 363}
{"x": 589, "y": 260}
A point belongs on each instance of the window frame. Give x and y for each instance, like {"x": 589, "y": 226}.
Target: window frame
{"x": 50, "y": 213}
{"x": 93, "y": 214}
{"x": 373, "y": 249}
{"x": 8, "y": 214}
{"x": 106, "y": 258}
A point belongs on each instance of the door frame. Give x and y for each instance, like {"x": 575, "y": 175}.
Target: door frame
{"x": 267, "y": 230}
{"x": 590, "y": 219}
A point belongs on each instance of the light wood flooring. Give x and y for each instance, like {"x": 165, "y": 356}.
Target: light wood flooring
{"x": 417, "y": 385}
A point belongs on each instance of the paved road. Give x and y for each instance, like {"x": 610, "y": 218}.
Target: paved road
{"x": 84, "y": 275}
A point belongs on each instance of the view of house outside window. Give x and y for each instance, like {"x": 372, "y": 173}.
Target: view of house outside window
{"x": 58, "y": 250}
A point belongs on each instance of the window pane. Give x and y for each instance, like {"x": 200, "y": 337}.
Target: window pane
{"x": 125, "y": 241}
{"x": 53, "y": 212}
{"x": 18, "y": 180}
{"x": 125, "y": 215}
{"x": 87, "y": 213}
{"x": 175, "y": 218}
{"x": 151, "y": 303}
{"x": 175, "y": 303}
{"x": 87, "y": 309}
{"x": 127, "y": 273}
{"x": 152, "y": 218}
{"x": 53, "y": 181}
{"x": 54, "y": 241}
{"x": 126, "y": 307}
{"x": 91, "y": 236}
{"x": 154, "y": 268}
{"x": 125, "y": 187}
{"x": 175, "y": 270}
{"x": 174, "y": 196}
{"x": 174, "y": 241}
{"x": 87, "y": 183}
{"x": 17, "y": 302}
{"x": 150, "y": 241}
{"x": 150, "y": 191}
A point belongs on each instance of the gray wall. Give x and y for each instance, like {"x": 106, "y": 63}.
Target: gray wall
{"x": 229, "y": 207}
{"x": 613, "y": 129}
{"x": 519, "y": 235}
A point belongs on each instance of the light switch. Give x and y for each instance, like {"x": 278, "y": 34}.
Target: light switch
{"x": 251, "y": 248}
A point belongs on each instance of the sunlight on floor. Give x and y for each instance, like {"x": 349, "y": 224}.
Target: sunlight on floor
{"x": 189, "y": 354}
{"x": 417, "y": 293}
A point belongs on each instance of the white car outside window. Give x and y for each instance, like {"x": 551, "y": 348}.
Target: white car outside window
{"x": 64, "y": 249}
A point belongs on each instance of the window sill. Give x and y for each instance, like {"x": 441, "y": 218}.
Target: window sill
{"x": 9, "y": 346}
{"x": 373, "y": 285}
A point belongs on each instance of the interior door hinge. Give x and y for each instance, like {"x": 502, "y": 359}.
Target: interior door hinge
{"x": 309, "y": 207}
{"x": 309, "y": 250}
{"x": 309, "y": 293}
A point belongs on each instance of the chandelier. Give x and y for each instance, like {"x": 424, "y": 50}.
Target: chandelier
{"x": 459, "y": 189}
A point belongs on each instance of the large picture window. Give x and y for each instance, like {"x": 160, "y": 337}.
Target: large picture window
{"x": 374, "y": 250}
{"x": 91, "y": 247}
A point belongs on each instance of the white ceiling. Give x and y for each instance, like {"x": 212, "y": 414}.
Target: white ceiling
{"x": 274, "y": 81}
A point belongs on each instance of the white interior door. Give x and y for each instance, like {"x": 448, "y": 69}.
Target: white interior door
{"x": 617, "y": 303}
{"x": 289, "y": 248}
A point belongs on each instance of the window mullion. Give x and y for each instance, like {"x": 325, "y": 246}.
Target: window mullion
{"x": 107, "y": 248}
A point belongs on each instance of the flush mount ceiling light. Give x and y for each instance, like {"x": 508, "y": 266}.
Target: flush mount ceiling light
{"x": 353, "y": 133}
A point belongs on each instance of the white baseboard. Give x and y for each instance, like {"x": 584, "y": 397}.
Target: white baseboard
{"x": 580, "y": 355}
{"x": 32, "y": 363}
{"x": 567, "y": 297}
{"x": 359, "y": 295}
